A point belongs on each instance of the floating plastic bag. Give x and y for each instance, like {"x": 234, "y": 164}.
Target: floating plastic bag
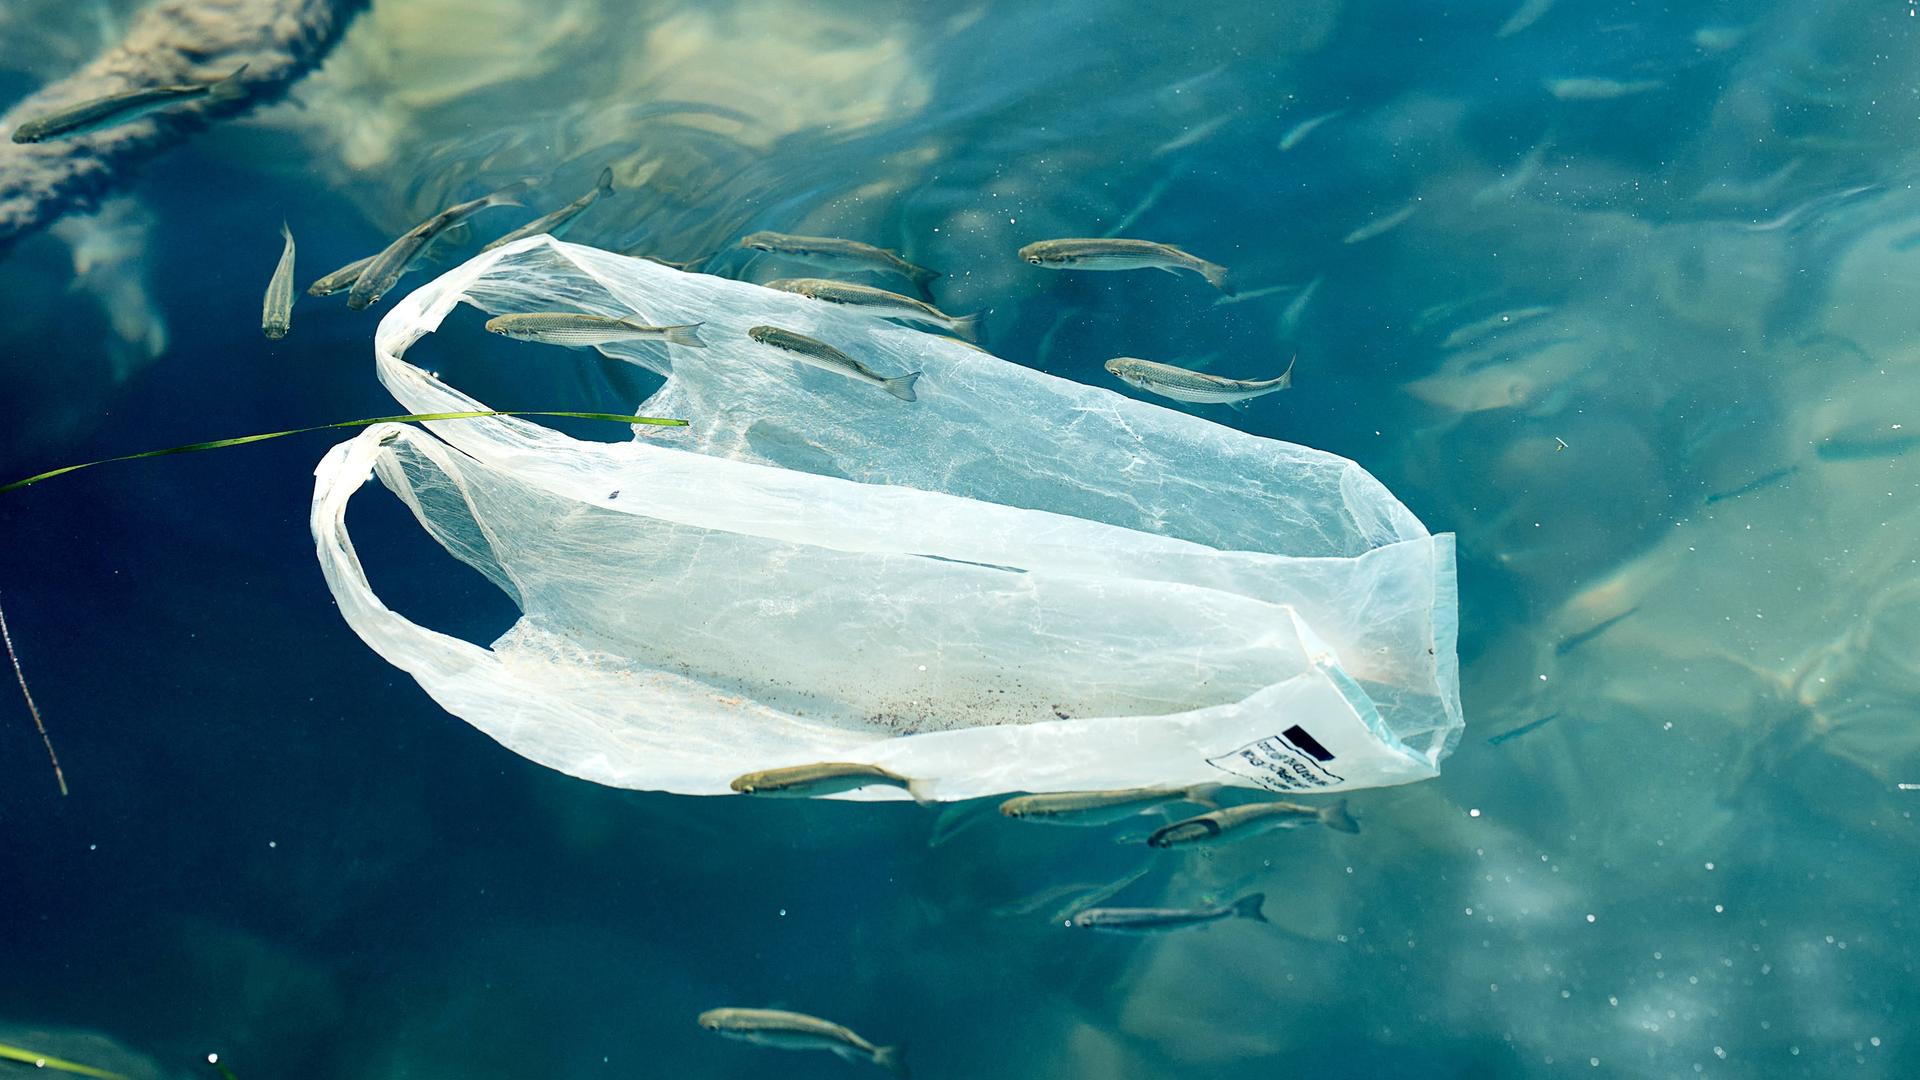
{"x": 1015, "y": 583}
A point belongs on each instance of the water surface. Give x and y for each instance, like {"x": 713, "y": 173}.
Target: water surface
{"x": 1626, "y": 306}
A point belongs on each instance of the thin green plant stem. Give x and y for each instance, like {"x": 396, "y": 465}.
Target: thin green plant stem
{"x": 217, "y": 444}
{"x": 43, "y": 1061}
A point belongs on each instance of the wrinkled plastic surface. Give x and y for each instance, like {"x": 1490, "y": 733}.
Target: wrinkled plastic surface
{"x": 1015, "y": 583}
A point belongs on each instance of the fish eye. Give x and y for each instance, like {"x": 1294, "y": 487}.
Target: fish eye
{"x": 1034, "y": 259}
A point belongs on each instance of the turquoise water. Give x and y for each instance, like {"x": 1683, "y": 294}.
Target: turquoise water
{"x": 1643, "y": 343}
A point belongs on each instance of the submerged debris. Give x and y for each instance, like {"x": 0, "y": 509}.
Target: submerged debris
{"x": 169, "y": 42}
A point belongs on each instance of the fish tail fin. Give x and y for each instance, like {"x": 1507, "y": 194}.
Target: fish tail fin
{"x": 923, "y": 280}
{"x": 966, "y": 327}
{"x": 1207, "y": 795}
{"x": 285, "y": 233}
{"x": 1335, "y": 817}
{"x": 1248, "y": 907}
{"x": 510, "y": 195}
{"x": 902, "y": 387}
{"x": 605, "y": 184}
{"x": 1217, "y": 277}
{"x": 1285, "y": 381}
{"x": 688, "y": 335}
{"x": 891, "y": 1058}
{"x": 229, "y": 88}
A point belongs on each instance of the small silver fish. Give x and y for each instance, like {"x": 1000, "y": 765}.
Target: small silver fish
{"x": 1718, "y": 38}
{"x": 1251, "y": 819}
{"x": 558, "y": 222}
{"x": 1101, "y": 807}
{"x": 1514, "y": 180}
{"x": 1181, "y": 384}
{"x": 1160, "y": 920}
{"x": 890, "y": 305}
{"x": 1474, "y": 331}
{"x": 833, "y": 252}
{"x": 387, "y": 267}
{"x": 341, "y": 279}
{"x": 276, "y": 312}
{"x": 579, "y": 330}
{"x": 1066, "y": 901}
{"x": 1114, "y": 253}
{"x": 1583, "y": 89}
{"x": 105, "y": 112}
{"x": 1526, "y": 15}
{"x": 798, "y": 1031}
{"x": 824, "y": 356}
{"x": 1305, "y": 128}
{"x": 1381, "y": 225}
{"x": 1297, "y": 309}
{"x": 823, "y": 778}
{"x": 691, "y": 266}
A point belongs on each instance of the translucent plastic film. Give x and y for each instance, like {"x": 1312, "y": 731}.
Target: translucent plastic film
{"x": 1014, "y": 582}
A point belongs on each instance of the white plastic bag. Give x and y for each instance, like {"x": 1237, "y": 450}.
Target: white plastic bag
{"x": 1015, "y": 583}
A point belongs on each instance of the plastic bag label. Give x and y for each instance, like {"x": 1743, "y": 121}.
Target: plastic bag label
{"x": 1290, "y": 761}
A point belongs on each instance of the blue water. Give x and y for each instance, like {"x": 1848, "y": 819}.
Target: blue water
{"x": 1673, "y": 841}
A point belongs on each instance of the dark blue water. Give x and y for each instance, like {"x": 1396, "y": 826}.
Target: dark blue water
{"x": 1683, "y": 491}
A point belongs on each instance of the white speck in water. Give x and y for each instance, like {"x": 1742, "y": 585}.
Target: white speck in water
{"x": 1589, "y": 916}
{"x": 1475, "y": 812}
{"x": 783, "y": 913}
{"x": 273, "y": 843}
